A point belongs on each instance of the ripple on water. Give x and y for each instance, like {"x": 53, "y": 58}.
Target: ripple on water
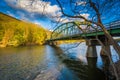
{"x": 50, "y": 74}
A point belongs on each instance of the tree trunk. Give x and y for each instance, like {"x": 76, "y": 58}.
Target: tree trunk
{"x": 113, "y": 42}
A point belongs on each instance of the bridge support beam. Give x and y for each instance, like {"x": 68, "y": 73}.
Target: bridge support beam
{"x": 91, "y": 49}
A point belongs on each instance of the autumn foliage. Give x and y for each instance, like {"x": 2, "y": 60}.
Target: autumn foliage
{"x": 15, "y": 33}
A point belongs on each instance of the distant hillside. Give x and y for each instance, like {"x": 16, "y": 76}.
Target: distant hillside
{"x": 14, "y": 32}
{"x": 4, "y": 17}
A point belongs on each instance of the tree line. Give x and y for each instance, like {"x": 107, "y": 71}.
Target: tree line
{"x": 19, "y": 33}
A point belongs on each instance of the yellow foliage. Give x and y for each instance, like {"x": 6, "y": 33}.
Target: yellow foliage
{"x": 14, "y": 32}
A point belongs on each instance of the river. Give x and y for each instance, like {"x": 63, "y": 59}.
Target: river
{"x": 49, "y": 63}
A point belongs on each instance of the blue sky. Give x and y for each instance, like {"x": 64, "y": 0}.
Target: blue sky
{"x": 21, "y": 9}
{"x": 33, "y": 11}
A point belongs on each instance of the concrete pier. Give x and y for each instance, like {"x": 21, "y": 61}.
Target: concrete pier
{"x": 91, "y": 49}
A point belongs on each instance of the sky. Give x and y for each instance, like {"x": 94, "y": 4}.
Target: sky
{"x": 32, "y": 11}
{"x": 23, "y": 10}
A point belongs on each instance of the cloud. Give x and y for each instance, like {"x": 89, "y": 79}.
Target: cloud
{"x": 86, "y": 15}
{"x": 81, "y": 3}
{"x": 37, "y": 22}
{"x": 35, "y": 6}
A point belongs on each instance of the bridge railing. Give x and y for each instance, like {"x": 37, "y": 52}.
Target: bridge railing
{"x": 113, "y": 25}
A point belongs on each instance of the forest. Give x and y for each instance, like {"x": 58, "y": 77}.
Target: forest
{"x": 14, "y": 32}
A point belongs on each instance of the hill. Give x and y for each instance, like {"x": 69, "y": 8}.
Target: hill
{"x": 14, "y": 32}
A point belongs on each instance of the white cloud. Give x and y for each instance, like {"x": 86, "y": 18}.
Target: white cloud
{"x": 86, "y": 15}
{"x": 37, "y": 22}
{"x": 82, "y": 3}
{"x": 35, "y": 6}
{"x": 39, "y": 7}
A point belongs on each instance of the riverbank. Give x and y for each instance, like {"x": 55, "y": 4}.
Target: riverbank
{"x": 25, "y": 45}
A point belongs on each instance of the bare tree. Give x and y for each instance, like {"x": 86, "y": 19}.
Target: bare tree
{"x": 99, "y": 11}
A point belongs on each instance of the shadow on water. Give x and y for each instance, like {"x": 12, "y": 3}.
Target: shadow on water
{"x": 106, "y": 67}
{"x": 56, "y": 69}
{"x": 84, "y": 71}
{"x": 45, "y": 63}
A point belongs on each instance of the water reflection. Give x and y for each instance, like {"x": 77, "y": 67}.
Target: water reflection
{"x": 56, "y": 69}
{"x": 45, "y": 63}
{"x": 21, "y": 63}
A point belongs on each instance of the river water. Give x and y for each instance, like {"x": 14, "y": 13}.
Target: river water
{"x": 49, "y": 63}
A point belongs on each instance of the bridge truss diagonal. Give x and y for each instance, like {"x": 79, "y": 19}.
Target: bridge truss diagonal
{"x": 72, "y": 30}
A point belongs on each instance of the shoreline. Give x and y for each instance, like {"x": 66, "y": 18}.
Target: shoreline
{"x": 1, "y": 46}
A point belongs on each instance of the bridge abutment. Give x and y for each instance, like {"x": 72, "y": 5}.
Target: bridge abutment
{"x": 91, "y": 49}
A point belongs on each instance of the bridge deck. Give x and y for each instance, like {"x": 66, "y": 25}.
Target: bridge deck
{"x": 113, "y": 32}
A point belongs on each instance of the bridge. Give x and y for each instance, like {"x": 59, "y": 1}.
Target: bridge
{"x": 87, "y": 31}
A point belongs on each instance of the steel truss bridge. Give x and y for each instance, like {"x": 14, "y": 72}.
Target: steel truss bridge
{"x": 84, "y": 30}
